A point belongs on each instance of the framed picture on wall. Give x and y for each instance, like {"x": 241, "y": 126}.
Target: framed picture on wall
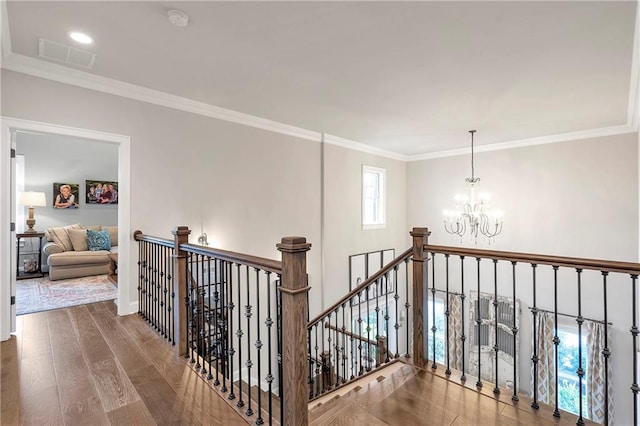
{"x": 66, "y": 195}
{"x": 101, "y": 192}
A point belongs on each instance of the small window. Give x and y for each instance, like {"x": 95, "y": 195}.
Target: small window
{"x": 373, "y": 197}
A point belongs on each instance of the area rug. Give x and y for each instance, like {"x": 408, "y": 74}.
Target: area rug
{"x": 42, "y": 294}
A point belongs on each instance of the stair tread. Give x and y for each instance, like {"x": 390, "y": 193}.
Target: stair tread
{"x": 378, "y": 388}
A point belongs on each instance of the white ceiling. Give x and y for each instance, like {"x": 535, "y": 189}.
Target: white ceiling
{"x": 406, "y": 77}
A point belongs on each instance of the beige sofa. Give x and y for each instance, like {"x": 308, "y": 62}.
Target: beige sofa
{"x": 68, "y": 255}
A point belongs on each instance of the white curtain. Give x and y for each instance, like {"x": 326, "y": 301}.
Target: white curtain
{"x": 596, "y": 371}
{"x": 543, "y": 341}
{"x": 454, "y": 344}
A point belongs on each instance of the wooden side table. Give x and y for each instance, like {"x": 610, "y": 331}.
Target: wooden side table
{"x": 38, "y": 273}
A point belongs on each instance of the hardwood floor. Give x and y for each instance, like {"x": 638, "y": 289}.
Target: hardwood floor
{"x": 85, "y": 365}
{"x": 410, "y": 396}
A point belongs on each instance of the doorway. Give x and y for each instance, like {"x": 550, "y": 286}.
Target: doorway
{"x": 9, "y": 128}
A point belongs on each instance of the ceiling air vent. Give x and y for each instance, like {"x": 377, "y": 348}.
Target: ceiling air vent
{"x": 62, "y": 53}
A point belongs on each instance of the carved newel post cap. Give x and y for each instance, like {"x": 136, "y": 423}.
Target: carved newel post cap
{"x": 294, "y": 244}
{"x": 420, "y": 232}
{"x": 181, "y": 230}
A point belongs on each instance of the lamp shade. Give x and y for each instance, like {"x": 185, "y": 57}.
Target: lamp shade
{"x": 32, "y": 199}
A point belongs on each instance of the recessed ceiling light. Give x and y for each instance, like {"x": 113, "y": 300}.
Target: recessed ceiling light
{"x": 80, "y": 37}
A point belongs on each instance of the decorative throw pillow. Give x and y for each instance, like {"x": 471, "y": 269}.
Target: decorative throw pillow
{"x": 78, "y": 239}
{"x": 113, "y": 234}
{"x": 98, "y": 240}
{"x": 60, "y": 236}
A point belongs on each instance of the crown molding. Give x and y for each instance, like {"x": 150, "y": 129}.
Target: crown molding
{"x": 5, "y": 33}
{"x": 346, "y": 143}
{"x": 542, "y": 140}
{"x": 50, "y": 71}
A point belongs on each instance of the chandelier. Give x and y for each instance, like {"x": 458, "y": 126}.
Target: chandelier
{"x": 472, "y": 212}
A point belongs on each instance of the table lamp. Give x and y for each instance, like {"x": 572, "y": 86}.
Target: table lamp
{"x": 32, "y": 199}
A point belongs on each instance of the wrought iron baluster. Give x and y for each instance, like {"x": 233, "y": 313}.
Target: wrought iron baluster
{"x": 351, "y": 339}
{"x": 514, "y": 330}
{"x": 377, "y": 309}
{"x": 212, "y": 311}
{"x": 396, "y": 298}
{"x": 223, "y": 346}
{"x": 535, "y": 358}
{"x": 368, "y": 329}
{"x": 163, "y": 290}
{"x": 239, "y": 335}
{"x": 258, "y": 345}
{"x": 580, "y": 320}
{"x": 337, "y": 351}
{"x": 172, "y": 296}
{"x": 232, "y": 351}
{"x": 407, "y": 306}
{"x": 462, "y": 297}
{"x": 158, "y": 288}
{"x": 269, "y": 323}
{"x": 154, "y": 288}
{"x": 606, "y": 352}
{"x": 360, "y": 364}
{"x": 447, "y": 313}
{"x": 199, "y": 314}
{"x": 634, "y": 335}
{"x": 496, "y": 388}
{"x": 249, "y": 364}
{"x": 140, "y": 277}
{"x": 279, "y": 336}
{"x": 344, "y": 343}
{"x": 188, "y": 307}
{"x": 556, "y": 339}
{"x": 386, "y": 316}
{"x": 434, "y": 329}
{"x": 478, "y": 324}
{"x": 317, "y": 364}
{"x": 192, "y": 307}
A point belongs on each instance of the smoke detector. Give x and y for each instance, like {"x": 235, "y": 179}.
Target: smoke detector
{"x": 178, "y": 18}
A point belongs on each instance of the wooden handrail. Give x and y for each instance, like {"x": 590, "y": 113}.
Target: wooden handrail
{"x": 539, "y": 259}
{"x": 262, "y": 263}
{"x": 348, "y": 333}
{"x": 139, "y": 236}
{"x": 404, "y": 256}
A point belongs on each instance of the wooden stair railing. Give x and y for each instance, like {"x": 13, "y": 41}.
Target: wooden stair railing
{"x": 350, "y": 334}
{"x": 233, "y": 312}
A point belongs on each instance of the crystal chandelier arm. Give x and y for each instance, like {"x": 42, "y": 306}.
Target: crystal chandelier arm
{"x": 485, "y": 227}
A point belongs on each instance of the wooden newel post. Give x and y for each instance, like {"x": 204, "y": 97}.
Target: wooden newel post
{"x": 420, "y": 236}
{"x": 294, "y": 330}
{"x": 180, "y": 302}
{"x": 383, "y": 350}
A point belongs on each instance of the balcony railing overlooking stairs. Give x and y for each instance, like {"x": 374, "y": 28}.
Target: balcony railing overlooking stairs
{"x": 242, "y": 322}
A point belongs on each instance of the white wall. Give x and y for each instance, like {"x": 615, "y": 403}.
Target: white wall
{"x": 577, "y": 198}
{"x": 343, "y": 234}
{"x": 53, "y": 158}
{"x": 245, "y": 187}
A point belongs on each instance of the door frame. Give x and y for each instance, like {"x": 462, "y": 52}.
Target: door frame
{"x": 7, "y": 271}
